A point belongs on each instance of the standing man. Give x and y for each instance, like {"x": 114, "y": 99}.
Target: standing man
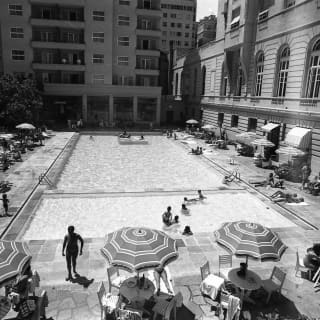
{"x": 305, "y": 172}
{"x": 70, "y": 243}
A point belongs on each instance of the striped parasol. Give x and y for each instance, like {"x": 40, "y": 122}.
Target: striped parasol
{"x": 250, "y": 239}
{"x": 137, "y": 249}
{"x": 14, "y": 256}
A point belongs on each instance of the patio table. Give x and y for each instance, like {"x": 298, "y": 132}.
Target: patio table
{"x": 130, "y": 290}
{"x": 251, "y": 281}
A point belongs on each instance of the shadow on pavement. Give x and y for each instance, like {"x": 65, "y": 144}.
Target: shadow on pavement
{"x": 82, "y": 280}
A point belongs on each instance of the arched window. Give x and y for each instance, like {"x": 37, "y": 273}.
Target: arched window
{"x": 313, "y": 80}
{"x": 259, "y": 73}
{"x": 283, "y": 67}
{"x": 176, "y": 84}
{"x": 203, "y": 86}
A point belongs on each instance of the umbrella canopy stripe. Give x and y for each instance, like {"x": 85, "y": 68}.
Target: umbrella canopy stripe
{"x": 26, "y": 126}
{"x": 13, "y": 256}
{"x": 244, "y": 238}
{"x": 137, "y": 249}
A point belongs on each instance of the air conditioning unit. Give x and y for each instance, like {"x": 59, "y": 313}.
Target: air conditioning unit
{"x": 263, "y": 15}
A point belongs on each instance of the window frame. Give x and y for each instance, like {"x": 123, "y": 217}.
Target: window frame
{"x": 96, "y": 79}
{"x": 96, "y": 38}
{"x": 17, "y": 55}
{"x": 96, "y": 15}
{"x": 122, "y": 63}
{"x": 259, "y": 74}
{"x": 234, "y": 121}
{"x": 312, "y": 82}
{"x": 123, "y": 22}
{"x": 97, "y": 58}
{"x": 15, "y": 11}
{"x": 124, "y": 2}
{"x": 121, "y": 42}
{"x": 282, "y": 71}
{"x": 16, "y": 33}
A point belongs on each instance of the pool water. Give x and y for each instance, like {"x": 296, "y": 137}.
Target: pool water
{"x": 103, "y": 164}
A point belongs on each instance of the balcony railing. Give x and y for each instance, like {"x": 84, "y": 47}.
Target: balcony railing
{"x": 57, "y": 37}
{"x": 57, "y": 13}
{"x": 283, "y": 103}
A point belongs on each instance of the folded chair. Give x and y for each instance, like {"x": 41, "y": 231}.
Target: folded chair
{"x": 274, "y": 283}
{"x": 300, "y": 267}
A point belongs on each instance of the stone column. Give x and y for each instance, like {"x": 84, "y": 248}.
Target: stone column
{"x": 85, "y": 107}
{"x": 135, "y": 109}
{"x": 158, "y": 112}
{"x": 110, "y": 109}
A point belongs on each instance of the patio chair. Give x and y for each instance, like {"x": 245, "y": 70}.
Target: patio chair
{"x": 42, "y": 303}
{"x": 274, "y": 283}
{"x": 225, "y": 264}
{"x": 101, "y": 293}
{"x": 114, "y": 278}
{"x": 164, "y": 308}
{"x": 300, "y": 267}
{"x": 128, "y": 314}
{"x": 227, "y": 302}
{"x": 205, "y": 270}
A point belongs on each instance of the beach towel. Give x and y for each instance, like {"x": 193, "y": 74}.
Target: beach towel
{"x": 233, "y": 311}
{"x": 298, "y": 204}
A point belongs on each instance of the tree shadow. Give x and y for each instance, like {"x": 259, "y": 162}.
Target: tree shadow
{"x": 82, "y": 280}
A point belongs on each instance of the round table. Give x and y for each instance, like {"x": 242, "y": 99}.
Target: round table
{"x": 134, "y": 293}
{"x": 250, "y": 282}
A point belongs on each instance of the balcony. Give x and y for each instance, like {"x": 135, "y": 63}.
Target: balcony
{"x": 57, "y": 23}
{"x": 141, "y": 31}
{"x": 60, "y": 77}
{"x": 147, "y": 71}
{"x": 148, "y": 8}
{"x": 57, "y": 66}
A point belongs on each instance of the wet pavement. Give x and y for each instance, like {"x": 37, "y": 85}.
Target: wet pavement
{"x": 74, "y": 301}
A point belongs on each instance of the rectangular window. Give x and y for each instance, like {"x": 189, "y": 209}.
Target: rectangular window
{"x": 220, "y": 119}
{"x": 164, "y": 42}
{"x": 98, "y": 15}
{"x": 186, "y": 44}
{"x": 173, "y": 24}
{"x": 16, "y": 33}
{"x": 186, "y": 34}
{"x": 98, "y": 36}
{"x": 212, "y": 80}
{"x": 173, "y": 15}
{"x": 123, "y": 21}
{"x": 164, "y": 24}
{"x": 123, "y": 41}
{"x": 179, "y": 25}
{"x": 98, "y": 78}
{"x": 15, "y": 9}
{"x": 124, "y": 2}
{"x": 17, "y": 55}
{"x": 252, "y": 124}
{"x": 123, "y": 61}
{"x": 165, "y": 14}
{"x": 164, "y": 33}
{"x": 179, "y": 34}
{"x": 289, "y": 3}
{"x": 187, "y": 26}
{"x": 259, "y": 78}
{"x": 98, "y": 58}
{"x": 234, "y": 121}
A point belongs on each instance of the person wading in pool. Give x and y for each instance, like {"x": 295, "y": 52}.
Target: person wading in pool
{"x": 70, "y": 243}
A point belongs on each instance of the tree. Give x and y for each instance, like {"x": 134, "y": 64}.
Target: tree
{"x": 20, "y": 100}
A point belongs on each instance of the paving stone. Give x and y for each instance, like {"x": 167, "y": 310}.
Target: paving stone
{"x": 79, "y": 298}
{"x": 67, "y": 303}
{"x": 64, "y": 314}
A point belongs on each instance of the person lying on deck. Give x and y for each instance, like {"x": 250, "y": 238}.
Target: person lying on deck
{"x": 124, "y": 134}
{"x": 228, "y": 179}
{"x": 279, "y": 196}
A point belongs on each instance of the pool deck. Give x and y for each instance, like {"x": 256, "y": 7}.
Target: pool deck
{"x": 73, "y": 301}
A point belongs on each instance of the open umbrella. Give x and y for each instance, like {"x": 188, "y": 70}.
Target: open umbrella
{"x": 26, "y": 126}
{"x": 263, "y": 143}
{"x": 192, "y": 121}
{"x": 246, "y": 137}
{"x": 138, "y": 249}
{"x": 14, "y": 256}
{"x": 250, "y": 239}
{"x": 208, "y": 127}
{"x": 6, "y": 136}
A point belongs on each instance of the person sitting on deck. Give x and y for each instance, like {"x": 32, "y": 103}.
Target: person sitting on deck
{"x": 141, "y": 137}
{"x": 167, "y": 217}
{"x": 200, "y": 198}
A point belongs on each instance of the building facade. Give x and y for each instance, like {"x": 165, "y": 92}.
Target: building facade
{"x": 178, "y": 24}
{"x": 98, "y": 60}
{"x": 206, "y": 30}
{"x": 261, "y": 74}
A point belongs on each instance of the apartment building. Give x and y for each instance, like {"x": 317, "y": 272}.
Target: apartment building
{"x": 261, "y": 74}
{"x": 178, "y": 24}
{"x": 206, "y": 30}
{"x": 98, "y": 60}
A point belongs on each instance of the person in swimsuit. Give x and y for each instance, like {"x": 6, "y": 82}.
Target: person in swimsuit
{"x": 160, "y": 273}
{"x": 5, "y": 202}
{"x": 70, "y": 246}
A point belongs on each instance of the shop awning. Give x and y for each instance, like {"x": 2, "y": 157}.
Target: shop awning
{"x": 299, "y": 138}
{"x": 270, "y": 126}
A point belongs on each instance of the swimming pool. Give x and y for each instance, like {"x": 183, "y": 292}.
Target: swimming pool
{"x": 102, "y": 164}
{"x": 105, "y": 186}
